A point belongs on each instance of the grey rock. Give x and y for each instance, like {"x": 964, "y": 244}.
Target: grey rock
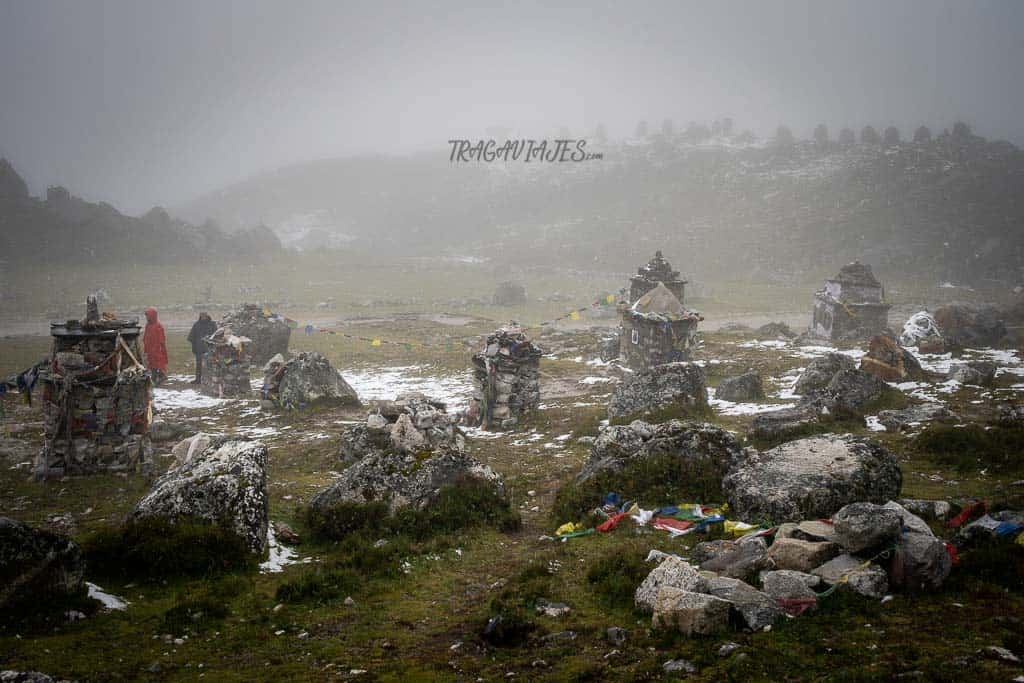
{"x": 820, "y": 371}
{"x": 405, "y": 438}
{"x": 787, "y": 585}
{"x": 402, "y": 480}
{"x": 755, "y": 608}
{"x": 902, "y": 420}
{"x": 921, "y": 563}
{"x": 224, "y": 484}
{"x": 655, "y": 388}
{"x": 24, "y": 677}
{"x": 37, "y": 565}
{"x": 728, "y": 648}
{"x": 979, "y": 372}
{"x": 813, "y": 530}
{"x": 1000, "y": 654}
{"x": 812, "y": 478}
{"x": 910, "y": 522}
{"x": 616, "y": 636}
{"x": 746, "y": 387}
{"x": 735, "y": 559}
{"x": 269, "y": 334}
{"x": 679, "y": 666}
{"x": 928, "y": 509}
{"x": 850, "y": 391}
{"x": 775, "y": 330}
{"x": 778, "y": 425}
{"x": 310, "y": 379}
{"x": 410, "y": 424}
{"x": 800, "y": 555}
{"x": 552, "y": 609}
{"x": 870, "y": 581}
{"x": 673, "y": 572}
{"x": 186, "y": 449}
{"x": 701, "y": 444}
{"x": 690, "y": 613}
{"x": 162, "y": 430}
{"x": 864, "y": 526}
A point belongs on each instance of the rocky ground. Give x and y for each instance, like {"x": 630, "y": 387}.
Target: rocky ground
{"x": 428, "y": 620}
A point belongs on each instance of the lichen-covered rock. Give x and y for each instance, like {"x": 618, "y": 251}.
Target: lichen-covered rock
{"x": 740, "y": 559}
{"x": 800, "y": 555}
{"x": 701, "y": 443}
{"x": 226, "y": 484}
{"x": 402, "y": 479}
{"x": 672, "y": 571}
{"x": 37, "y": 565}
{"x": 653, "y": 389}
{"x": 690, "y": 613}
{"x": 851, "y": 391}
{"x": 757, "y": 609}
{"x": 409, "y": 424}
{"x": 979, "y": 372}
{"x": 186, "y": 449}
{"x": 405, "y": 438}
{"x": 920, "y": 563}
{"x": 307, "y": 379}
{"x": 812, "y": 478}
{"x": 848, "y": 571}
{"x": 902, "y": 420}
{"x": 786, "y": 584}
{"x": 745, "y": 387}
{"x": 820, "y": 371}
{"x": 864, "y": 526}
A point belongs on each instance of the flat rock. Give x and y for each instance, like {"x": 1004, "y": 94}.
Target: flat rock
{"x": 870, "y": 581}
{"x": 786, "y": 585}
{"x": 755, "y": 608}
{"x": 690, "y": 613}
{"x": 812, "y": 478}
{"x": 735, "y": 559}
{"x": 928, "y": 509}
{"x": 907, "y": 418}
{"x": 800, "y": 555}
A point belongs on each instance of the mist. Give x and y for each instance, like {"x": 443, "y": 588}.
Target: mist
{"x": 149, "y": 103}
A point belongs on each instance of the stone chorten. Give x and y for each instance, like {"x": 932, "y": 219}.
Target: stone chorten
{"x": 507, "y": 377}
{"x": 656, "y": 329}
{"x": 648, "y": 276}
{"x": 97, "y": 398}
{"x": 851, "y": 306}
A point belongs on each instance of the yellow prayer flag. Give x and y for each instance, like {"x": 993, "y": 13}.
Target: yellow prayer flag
{"x": 610, "y": 298}
{"x": 375, "y": 342}
{"x": 575, "y": 315}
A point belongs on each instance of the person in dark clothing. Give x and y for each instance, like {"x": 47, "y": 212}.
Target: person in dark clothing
{"x": 201, "y": 329}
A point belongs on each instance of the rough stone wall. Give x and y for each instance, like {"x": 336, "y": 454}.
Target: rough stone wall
{"x": 269, "y": 333}
{"x": 646, "y": 342}
{"x": 226, "y": 366}
{"x": 507, "y": 374}
{"x": 837, "y": 320}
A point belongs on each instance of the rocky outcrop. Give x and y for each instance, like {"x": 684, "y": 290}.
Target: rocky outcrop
{"x": 37, "y": 565}
{"x": 402, "y": 479}
{"x": 305, "y": 380}
{"x": 889, "y": 361}
{"x": 820, "y": 371}
{"x": 412, "y": 423}
{"x": 701, "y": 443}
{"x": 812, "y": 478}
{"x": 744, "y": 388}
{"x": 226, "y": 485}
{"x": 654, "y": 389}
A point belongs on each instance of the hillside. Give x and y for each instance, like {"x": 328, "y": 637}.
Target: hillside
{"x": 63, "y": 228}
{"x": 952, "y": 207}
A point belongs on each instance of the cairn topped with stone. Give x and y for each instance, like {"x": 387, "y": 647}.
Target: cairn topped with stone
{"x": 269, "y": 332}
{"x": 226, "y": 365}
{"x": 656, "y": 271}
{"x": 507, "y": 377}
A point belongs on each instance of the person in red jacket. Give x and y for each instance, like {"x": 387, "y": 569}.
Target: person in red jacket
{"x": 154, "y": 344}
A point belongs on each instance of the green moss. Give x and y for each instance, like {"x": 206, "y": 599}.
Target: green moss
{"x": 657, "y": 480}
{"x": 616, "y": 575}
{"x": 320, "y": 585}
{"x": 973, "y": 447}
{"x": 673, "y": 411}
{"x": 346, "y": 518}
{"x": 154, "y": 548}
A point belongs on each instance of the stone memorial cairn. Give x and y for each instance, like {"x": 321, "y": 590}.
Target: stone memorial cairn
{"x": 656, "y": 329}
{"x": 97, "y": 398}
{"x": 851, "y": 306}
{"x": 269, "y": 332}
{"x": 506, "y": 373}
{"x": 226, "y": 365}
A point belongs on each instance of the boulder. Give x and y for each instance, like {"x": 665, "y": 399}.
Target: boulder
{"x": 889, "y": 361}
{"x": 820, "y": 371}
{"x": 902, "y": 420}
{"x": 851, "y": 391}
{"x": 929, "y": 509}
{"x": 674, "y": 572}
{"x": 226, "y": 484}
{"x": 812, "y": 478}
{"x": 968, "y": 327}
{"x": 405, "y": 438}
{"x": 799, "y": 555}
{"x": 814, "y": 531}
{"x": 735, "y": 559}
{"x": 920, "y": 563}
{"x": 690, "y": 613}
{"x": 37, "y": 565}
{"x": 779, "y": 425}
{"x": 309, "y": 379}
{"x": 978, "y": 372}
{"x": 1011, "y": 415}
{"x": 702, "y": 444}
{"x": 9, "y": 676}
{"x": 672, "y": 384}
{"x": 402, "y": 480}
{"x": 784, "y": 585}
{"x": 909, "y": 522}
{"x": 186, "y": 449}
{"x": 870, "y": 581}
{"x": 866, "y": 526}
{"x": 921, "y": 331}
{"x": 744, "y": 388}
{"x": 754, "y": 607}
{"x": 774, "y": 330}
{"x": 162, "y": 430}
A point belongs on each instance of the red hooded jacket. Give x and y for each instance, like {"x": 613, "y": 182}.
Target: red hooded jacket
{"x": 154, "y": 343}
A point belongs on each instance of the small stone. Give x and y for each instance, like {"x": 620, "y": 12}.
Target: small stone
{"x": 679, "y": 666}
{"x": 552, "y": 609}
{"x": 349, "y": 602}
{"x": 728, "y": 648}
{"x": 616, "y": 635}
{"x": 999, "y": 654}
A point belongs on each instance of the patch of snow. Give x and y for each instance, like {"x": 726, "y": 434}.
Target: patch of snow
{"x": 767, "y": 344}
{"x": 391, "y": 382}
{"x": 280, "y": 556}
{"x": 596, "y": 380}
{"x": 874, "y": 424}
{"x": 478, "y": 433}
{"x": 174, "y": 399}
{"x": 109, "y": 601}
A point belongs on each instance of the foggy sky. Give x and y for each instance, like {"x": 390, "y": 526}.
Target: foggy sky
{"x": 142, "y": 103}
